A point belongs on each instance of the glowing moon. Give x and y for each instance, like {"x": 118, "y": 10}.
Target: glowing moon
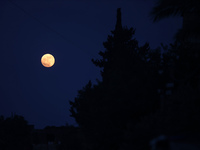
{"x": 47, "y": 60}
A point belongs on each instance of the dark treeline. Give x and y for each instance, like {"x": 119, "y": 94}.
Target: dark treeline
{"x": 15, "y": 133}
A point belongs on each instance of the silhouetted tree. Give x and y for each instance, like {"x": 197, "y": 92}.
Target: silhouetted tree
{"x": 14, "y": 133}
{"x": 185, "y": 50}
{"x": 127, "y": 92}
{"x": 189, "y": 35}
{"x": 179, "y": 65}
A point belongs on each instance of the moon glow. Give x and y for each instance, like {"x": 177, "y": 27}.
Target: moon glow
{"x": 47, "y": 60}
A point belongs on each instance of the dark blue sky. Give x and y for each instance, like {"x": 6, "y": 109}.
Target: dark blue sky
{"x": 73, "y": 31}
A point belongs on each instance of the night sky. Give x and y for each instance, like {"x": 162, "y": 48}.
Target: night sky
{"x": 72, "y": 31}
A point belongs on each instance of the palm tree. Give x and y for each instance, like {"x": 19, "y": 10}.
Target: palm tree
{"x": 188, "y": 9}
{"x": 166, "y": 8}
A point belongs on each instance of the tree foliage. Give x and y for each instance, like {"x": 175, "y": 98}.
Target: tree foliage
{"x": 14, "y": 133}
{"x": 127, "y": 92}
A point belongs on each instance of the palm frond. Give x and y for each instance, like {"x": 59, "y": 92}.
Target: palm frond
{"x": 166, "y": 8}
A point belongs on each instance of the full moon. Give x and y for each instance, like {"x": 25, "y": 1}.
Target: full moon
{"x": 47, "y": 60}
